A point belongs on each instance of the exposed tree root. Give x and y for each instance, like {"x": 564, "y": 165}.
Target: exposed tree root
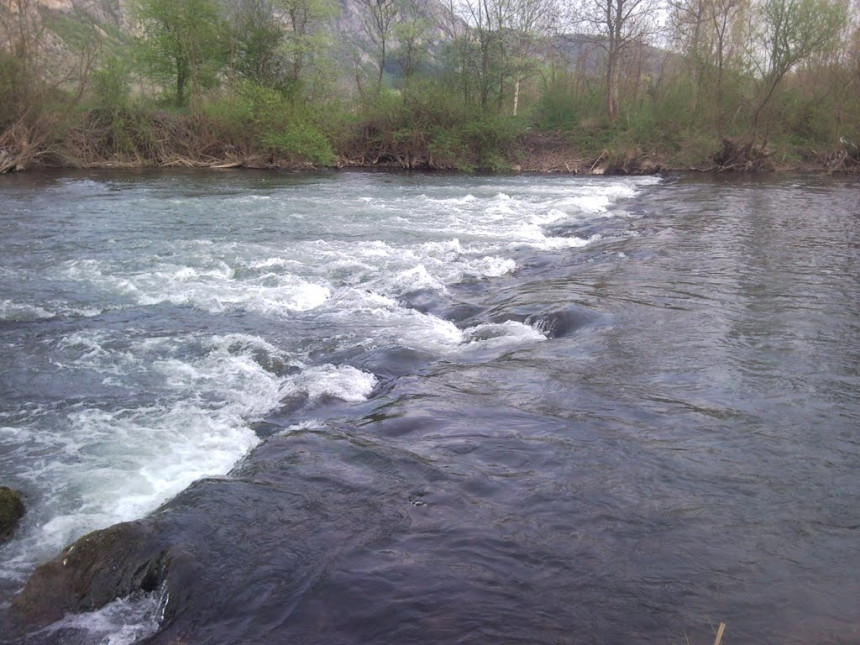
{"x": 25, "y": 141}
{"x": 845, "y": 159}
{"x": 742, "y": 155}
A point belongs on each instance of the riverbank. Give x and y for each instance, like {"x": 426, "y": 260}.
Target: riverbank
{"x": 165, "y": 141}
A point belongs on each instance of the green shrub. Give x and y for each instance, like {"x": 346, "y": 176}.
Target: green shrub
{"x": 259, "y": 117}
{"x": 557, "y": 108}
{"x": 492, "y": 140}
{"x": 110, "y": 84}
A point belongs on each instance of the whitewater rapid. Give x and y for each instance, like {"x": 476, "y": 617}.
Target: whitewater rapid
{"x": 151, "y": 323}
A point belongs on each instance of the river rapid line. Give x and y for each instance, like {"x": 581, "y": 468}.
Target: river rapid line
{"x": 369, "y": 407}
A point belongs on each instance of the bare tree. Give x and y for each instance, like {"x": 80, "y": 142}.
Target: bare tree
{"x": 21, "y": 32}
{"x": 791, "y": 31}
{"x": 708, "y": 32}
{"x": 532, "y": 21}
{"x": 457, "y": 34}
{"x": 378, "y": 21}
{"x": 622, "y": 25}
{"x": 498, "y": 46}
{"x": 42, "y": 79}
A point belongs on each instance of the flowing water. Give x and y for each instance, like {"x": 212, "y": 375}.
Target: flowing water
{"x": 434, "y": 408}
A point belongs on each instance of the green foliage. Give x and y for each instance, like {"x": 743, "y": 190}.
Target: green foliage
{"x": 791, "y": 31}
{"x": 492, "y": 139}
{"x": 592, "y": 138}
{"x": 306, "y": 40}
{"x": 182, "y": 44}
{"x": 557, "y": 109}
{"x": 257, "y": 44}
{"x": 426, "y": 125}
{"x": 411, "y": 36}
{"x": 262, "y": 82}
{"x": 13, "y": 87}
{"x": 260, "y": 117}
{"x": 110, "y": 85}
{"x": 278, "y": 43}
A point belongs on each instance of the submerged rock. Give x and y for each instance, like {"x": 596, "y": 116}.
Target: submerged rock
{"x": 11, "y": 512}
{"x": 562, "y": 322}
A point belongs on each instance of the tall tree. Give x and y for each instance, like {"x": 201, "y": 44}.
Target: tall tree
{"x": 483, "y": 47}
{"x": 499, "y": 43}
{"x": 708, "y": 32}
{"x": 304, "y": 39}
{"x": 257, "y": 38}
{"x": 622, "y": 25}
{"x": 411, "y": 36}
{"x": 791, "y": 31}
{"x": 531, "y": 22}
{"x": 183, "y": 41}
{"x": 378, "y": 22}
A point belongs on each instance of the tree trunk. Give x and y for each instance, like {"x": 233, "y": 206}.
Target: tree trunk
{"x": 612, "y": 86}
{"x": 381, "y": 69}
{"x": 516, "y": 94}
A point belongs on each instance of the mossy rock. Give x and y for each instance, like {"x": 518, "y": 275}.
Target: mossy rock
{"x": 11, "y": 512}
{"x": 97, "y": 569}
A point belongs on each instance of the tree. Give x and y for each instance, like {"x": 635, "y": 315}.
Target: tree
{"x": 707, "y": 31}
{"x": 623, "y": 25}
{"x": 29, "y": 66}
{"x": 257, "y": 43}
{"x": 411, "y": 36}
{"x": 791, "y": 31}
{"x": 183, "y": 41}
{"x": 490, "y": 64}
{"x": 302, "y": 40}
{"x": 39, "y": 90}
{"x": 531, "y": 21}
{"x": 378, "y": 22}
{"x": 275, "y": 40}
{"x": 498, "y": 47}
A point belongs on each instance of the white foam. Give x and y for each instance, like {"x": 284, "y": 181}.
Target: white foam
{"x": 503, "y": 334}
{"x": 342, "y": 382}
{"x": 438, "y": 240}
{"x": 213, "y": 289}
{"x": 302, "y": 426}
{"x": 121, "y": 622}
{"x": 22, "y": 312}
{"x": 108, "y": 465}
{"x": 124, "y": 464}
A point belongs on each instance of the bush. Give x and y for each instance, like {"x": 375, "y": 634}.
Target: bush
{"x": 258, "y": 118}
{"x": 110, "y": 84}
{"x": 426, "y": 125}
{"x": 557, "y": 109}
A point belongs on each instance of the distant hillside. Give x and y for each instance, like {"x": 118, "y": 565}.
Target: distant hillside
{"x": 110, "y": 15}
{"x": 64, "y": 24}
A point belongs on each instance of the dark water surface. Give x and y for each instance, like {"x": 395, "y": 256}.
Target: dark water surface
{"x": 452, "y": 409}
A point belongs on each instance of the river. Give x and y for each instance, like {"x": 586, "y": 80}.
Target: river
{"x": 431, "y": 408}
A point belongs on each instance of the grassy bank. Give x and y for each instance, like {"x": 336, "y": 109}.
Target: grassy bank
{"x": 258, "y": 128}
